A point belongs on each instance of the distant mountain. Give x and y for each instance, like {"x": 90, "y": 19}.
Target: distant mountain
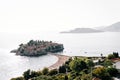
{"x": 82, "y": 30}
{"x": 112, "y": 28}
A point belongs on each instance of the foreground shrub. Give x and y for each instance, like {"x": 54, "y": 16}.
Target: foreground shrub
{"x": 77, "y": 65}
{"x": 112, "y": 71}
{"x": 45, "y": 71}
{"x": 101, "y": 73}
{"x": 107, "y": 63}
{"x": 86, "y": 77}
{"x": 111, "y": 56}
{"x": 53, "y": 72}
{"x": 62, "y": 69}
{"x": 43, "y": 77}
{"x": 18, "y": 78}
{"x": 27, "y": 75}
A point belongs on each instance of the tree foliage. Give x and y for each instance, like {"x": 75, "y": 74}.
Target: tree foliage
{"x": 77, "y": 65}
{"x": 53, "y": 72}
{"x": 18, "y": 78}
{"x": 45, "y": 71}
{"x": 30, "y": 74}
{"x": 112, "y": 71}
{"x": 43, "y": 77}
{"x": 86, "y": 77}
{"x": 116, "y": 54}
{"x": 107, "y": 63}
{"x": 111, "y": 56}
{"x": 27, "y": 75}
{"x": 62, "y": 69}
{"x": 89, "y": 63}
{"x": 101, "y": 73}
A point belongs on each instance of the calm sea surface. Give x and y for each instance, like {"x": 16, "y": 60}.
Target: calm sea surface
{"x": 92, "y": 44}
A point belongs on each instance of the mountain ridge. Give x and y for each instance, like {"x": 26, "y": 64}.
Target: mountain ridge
{"x": 111, "y": 28}
{"x": 82, "y": 30}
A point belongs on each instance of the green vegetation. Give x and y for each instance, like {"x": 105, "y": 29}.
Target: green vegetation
{"x": 101, "y": 73}
{"x": 18, "y": 78}
{"x": 37, "y": 48}
{"x": 62, "y": 69}
{"x": 112, "y": 71}
{"x": 76, "y": 68}
{"x": 53, "y": 72}
{"x": 111, "y": 56}
{"x": 78, "y": 65}
{"x": 45, "y": 71}
{"x": 114, "y": 55}
{"x": 107, "y": 63}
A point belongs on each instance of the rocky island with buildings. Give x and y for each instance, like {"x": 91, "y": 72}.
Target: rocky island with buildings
{"x": 38, "y": 48}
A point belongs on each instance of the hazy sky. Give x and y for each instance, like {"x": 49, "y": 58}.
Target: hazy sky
{"x": 41, "y": 15}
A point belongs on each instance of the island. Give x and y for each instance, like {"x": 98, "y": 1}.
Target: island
{"x": 38, "y": 48}
{"x": 83, "y": 30}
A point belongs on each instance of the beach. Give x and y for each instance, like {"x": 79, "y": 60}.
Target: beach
{"x": 61, "y": 60}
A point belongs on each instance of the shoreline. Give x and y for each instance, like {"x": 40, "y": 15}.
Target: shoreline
{"x": 61, "y": 60}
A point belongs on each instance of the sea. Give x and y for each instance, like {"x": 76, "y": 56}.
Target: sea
{"x": 83, "y": 44}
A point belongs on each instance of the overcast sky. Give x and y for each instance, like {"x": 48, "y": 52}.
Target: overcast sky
{"x": 41, "y": 15}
